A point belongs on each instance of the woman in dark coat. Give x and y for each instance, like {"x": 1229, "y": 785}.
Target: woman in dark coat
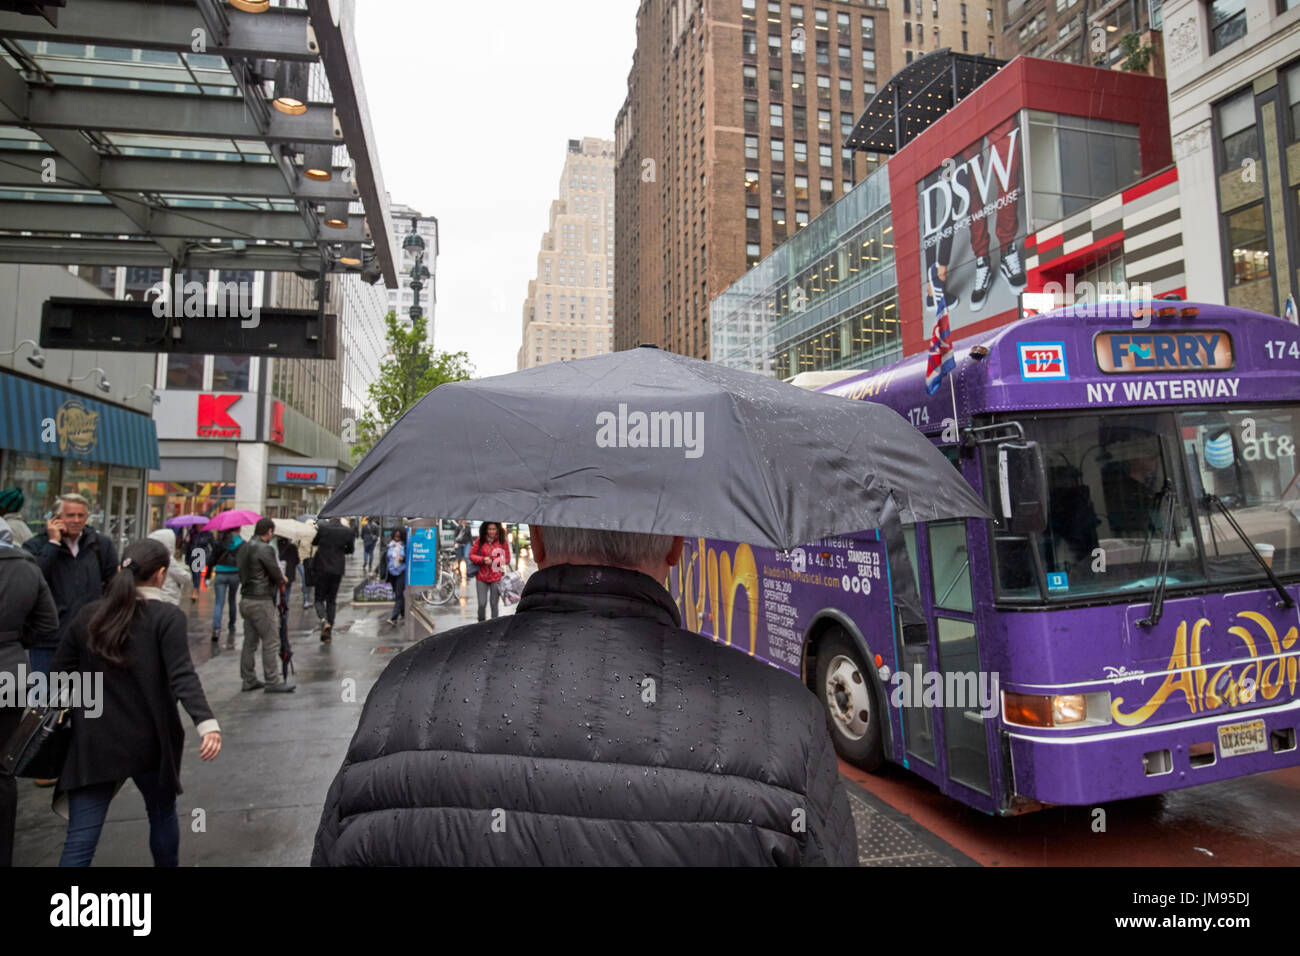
{"x": 140, "y": 646}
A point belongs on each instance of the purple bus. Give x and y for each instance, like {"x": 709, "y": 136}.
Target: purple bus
{"x": 1127, "y": 621}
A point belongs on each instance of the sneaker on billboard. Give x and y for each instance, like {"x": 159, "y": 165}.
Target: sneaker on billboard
{"x": 983, "y": 282}
{"x": 1013, "y": 271}
{"x": 936, "y": 289}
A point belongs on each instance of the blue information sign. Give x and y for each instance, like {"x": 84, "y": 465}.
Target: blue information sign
{"x": 422, "y": 558}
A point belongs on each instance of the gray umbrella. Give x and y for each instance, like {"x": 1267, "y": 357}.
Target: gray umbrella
{"x": 650, "y": 441}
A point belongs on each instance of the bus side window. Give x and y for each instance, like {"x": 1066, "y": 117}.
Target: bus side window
{"x": 950, "y": 566}
{"x": 909, "y": 539}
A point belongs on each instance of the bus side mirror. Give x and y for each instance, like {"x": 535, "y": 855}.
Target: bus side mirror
{"x": 1022, "y": 486}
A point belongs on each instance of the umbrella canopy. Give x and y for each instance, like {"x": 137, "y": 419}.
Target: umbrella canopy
{"x": 232, "y": 519}
{"x": 295, "y": 531}
{"x": 184, "y": 521}
{"x": 646, "y": 440}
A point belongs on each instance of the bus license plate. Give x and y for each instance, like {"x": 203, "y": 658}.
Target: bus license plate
{"x": 1244, "y": 738}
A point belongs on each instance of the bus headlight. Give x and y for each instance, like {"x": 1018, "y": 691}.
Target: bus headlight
{"x": 1059, "y": 710}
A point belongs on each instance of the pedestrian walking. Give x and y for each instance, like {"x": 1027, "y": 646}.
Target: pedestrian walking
{"x": 491, "y": 556}
{"x": 464, "y": 540}
{"x": 305, "y": 552}
{"x": 287, "y": 551}
{"x": 139, "y": 644}
{"x": 395, "y": 564}
{"x": 77, "y": 561}
{"x": 260, "y": 583}
{"x": 594, "y": 625}
{"x": 11, "y": 506}
{"x": 224, "y": 575}
{"x": 369, "y": 535}
{"x": 333, "y": 541}
{"x": 198, "y": 555}
{"x": 27, "y": 615}
{"x": 178, "y": 576}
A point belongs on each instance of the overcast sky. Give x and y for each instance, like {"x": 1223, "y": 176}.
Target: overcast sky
{"x": 473, "y": 106}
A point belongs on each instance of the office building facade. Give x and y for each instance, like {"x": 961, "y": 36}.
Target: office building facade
{"x": 569, "y": 310}
{"x": 1084, "y": 32}
{"x": 1234, "y": 104}
{"x": 730, "y": 140}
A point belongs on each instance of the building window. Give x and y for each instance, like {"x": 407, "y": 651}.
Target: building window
{"x": 868, "y": 28}
{"x": 800, "y": 218}
{"x": 801, "y": 187}
{"x": 1077, "y": 162}
{"x": 796, "y": 13}
{"x": 845, "y": 55}
{"x": 1248, "y": 244}
{"x": 842, "y": 23}
{"x": 869, "y": 89}
{"x": 230, "y": 373}
{"x": 750, "y": 43}
{"x": 778, "y": 150}
{"x": 751, "y": 147}
{"x": 751, "y": 77}
{"x": 846, "y": 123}
{"x": 797, "y": 83}
{"x": 822, "y": 19}
{"x": 1227, "y": 22}
{"x": 823, "y": 53}
{"x": 907, "y": 32}
{"x": 800, "y": 119}
{"x": 823, "y": 87}
{"x": 1292, "y": 92}
{"x": 751, "y": 114}
{"x": 184, "y": 371}
{"x": 823, "y": 121}
{"x": 751, "y": 184}
{"x": 778, "y": 215}
{"x": 774, "y": 80}
{"x": 824, "y": 155}
{"x": 934, "y": 8}
{"x": 1237, "y": 130}
{"x": 907, "y": 6}
{"x": 827, "y": 189}
{"x": 908, "y": 56}
{"x": 778, "y": 186}
{"x": 773, "y": 46}
{"x": 964, "y": 47}
{"x": 800, "y": 151}
{"x": 868, "y": 59}
{"x": 751, "y": 254}
{"x": 776, "y": 114}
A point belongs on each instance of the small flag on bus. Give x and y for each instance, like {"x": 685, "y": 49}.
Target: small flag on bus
{"x": 941, "y": 361}
{"x": 1290, "y": 313}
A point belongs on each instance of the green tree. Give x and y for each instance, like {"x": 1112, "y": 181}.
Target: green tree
{"x": 410, "y": 371}
{"x": 1137, "y": 56}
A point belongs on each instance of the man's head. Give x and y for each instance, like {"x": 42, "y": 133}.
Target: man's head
{"x": 264, "y": 528}
{"x": 651, "y": 554}
{"x": 75, "y": 512}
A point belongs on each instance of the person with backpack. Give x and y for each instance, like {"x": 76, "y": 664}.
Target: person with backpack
{"x": 334, "y": 540}
{"x": 225, "y": 578}
{"x": 140, "y": 645}
{"x": 369, "y": 535}
{"x": 198, "y": 551}
{"x": 395, "y": 565}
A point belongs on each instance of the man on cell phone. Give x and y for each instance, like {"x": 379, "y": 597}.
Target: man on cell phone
{"x": 77, "y": 562}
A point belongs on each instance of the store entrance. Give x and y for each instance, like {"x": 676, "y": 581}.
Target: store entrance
{"x": 123, "y": 507}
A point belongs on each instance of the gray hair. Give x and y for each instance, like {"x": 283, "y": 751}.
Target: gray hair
{"x": 621, "y": 548}
{"x": 71, "y": 498}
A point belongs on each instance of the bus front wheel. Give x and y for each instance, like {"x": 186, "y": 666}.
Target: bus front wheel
{"x": 851, "y": 702}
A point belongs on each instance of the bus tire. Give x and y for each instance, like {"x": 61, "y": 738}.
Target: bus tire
{"x": 848, "y": 694}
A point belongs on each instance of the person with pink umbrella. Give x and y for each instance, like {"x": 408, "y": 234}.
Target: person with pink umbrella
{"x": 224, "y": 569}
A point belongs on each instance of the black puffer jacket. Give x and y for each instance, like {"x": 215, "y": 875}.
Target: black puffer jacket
{"x": 536, "y": 739}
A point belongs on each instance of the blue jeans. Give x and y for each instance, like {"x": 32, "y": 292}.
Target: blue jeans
{"x": 226, "y": 584}
{"x": 88, "y": 806}
{"x": 306, "y": 591}
{"x": 369, "y": 556}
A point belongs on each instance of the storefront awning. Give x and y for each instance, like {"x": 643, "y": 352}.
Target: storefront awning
{"x": 45, "y": 421}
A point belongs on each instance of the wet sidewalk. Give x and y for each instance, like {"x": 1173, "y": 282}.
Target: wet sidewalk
{"x": 259, "y": 802}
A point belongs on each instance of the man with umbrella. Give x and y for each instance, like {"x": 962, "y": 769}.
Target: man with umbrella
{"x": 260, "y": 585}
{"x": 589, "y": 727}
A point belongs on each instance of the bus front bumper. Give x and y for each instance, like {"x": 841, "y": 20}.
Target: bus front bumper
{"x": 1116, "y": 764}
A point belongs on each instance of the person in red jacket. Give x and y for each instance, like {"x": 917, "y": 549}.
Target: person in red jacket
{"x": 491, "y": 556}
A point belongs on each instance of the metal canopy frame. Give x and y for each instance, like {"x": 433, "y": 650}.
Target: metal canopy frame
{"x": 916, "y": 96}
{"x": 141, "y": 132}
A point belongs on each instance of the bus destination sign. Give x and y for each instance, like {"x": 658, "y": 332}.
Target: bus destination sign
{"x": 1132, "y": 352}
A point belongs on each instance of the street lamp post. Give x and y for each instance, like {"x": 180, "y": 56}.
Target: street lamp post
{"x": 413, "y": 247}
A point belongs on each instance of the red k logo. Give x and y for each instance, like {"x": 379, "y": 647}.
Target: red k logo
{"x": 214, "y": 419}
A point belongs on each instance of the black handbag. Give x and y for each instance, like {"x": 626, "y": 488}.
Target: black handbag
{"x": 309, "y": 572}
{"x": 39, "y": 747}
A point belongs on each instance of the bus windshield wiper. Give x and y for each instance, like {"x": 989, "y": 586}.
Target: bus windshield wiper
{"x": 1286, "y": 600}
{"x": 1157, "y": 609}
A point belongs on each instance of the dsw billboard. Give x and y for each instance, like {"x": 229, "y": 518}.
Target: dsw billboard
{"x": 973, "y": 226}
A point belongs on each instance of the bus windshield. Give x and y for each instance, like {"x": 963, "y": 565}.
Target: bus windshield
{"x": 1119, "y": 484}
